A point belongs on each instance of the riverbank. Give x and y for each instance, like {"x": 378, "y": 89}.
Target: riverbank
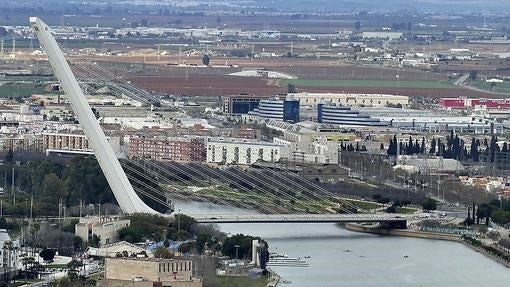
{"x": 403, "y": 232}
{"x": 425, "y": 235}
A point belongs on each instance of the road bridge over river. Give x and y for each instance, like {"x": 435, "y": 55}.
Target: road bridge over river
{"x": 301, "y": 218}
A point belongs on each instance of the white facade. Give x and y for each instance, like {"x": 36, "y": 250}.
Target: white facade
{"x": 383, "y": 35}
{"x": 365, "y": 100}
{"x": 9, "y": 252}
{"x": 243, "y": 152}
{"x": 310, "y": 149}
{"x": 106, "y": 228}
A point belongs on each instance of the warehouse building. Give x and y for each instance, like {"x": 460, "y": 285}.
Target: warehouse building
{"x": 358, "y": 100}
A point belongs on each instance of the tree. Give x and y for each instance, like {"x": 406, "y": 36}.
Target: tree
{"x": 166, "y": 243}
{"x": 47, "y": 254}
{"x": 243, "y": 241}
{"x": 472, "y": 75}
{"x": 3, "y": 32}
{"x": 64, "y": 282}
{"x": 429, "y": 204}
{"x": 291, "y": 88}
{"x": 9, "y": 157}
{"x": 405, "y": 202}
{"x": 383, "y": 200}
{"x": 182, "y": 235}
{"x": 54, "y": 188}
{"x": 185, "y": 248}
{"x": 433, "y": 146}
{"x": 357, "y": 25}
{"x": 74, "y": 267}
{"x": 95, "y": 240}
{"x": 184, "y": 222}
{"x": 77, "y": 243}
{"x": 206, "y": 60}
{"x": 391, "y": 209}
{"x": 201, "y": 241}
{"x": 162, "y": 252}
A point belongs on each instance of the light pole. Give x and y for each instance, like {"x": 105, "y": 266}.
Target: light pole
{"x": 179, "y": 219}
{"x": 237, "y": 254}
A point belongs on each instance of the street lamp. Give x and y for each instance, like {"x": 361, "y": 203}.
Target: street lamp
{"x": 237, "y": 254}
{"x": 179, "y": 219}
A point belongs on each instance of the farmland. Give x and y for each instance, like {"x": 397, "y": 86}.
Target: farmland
{"x": 370, "y": 83}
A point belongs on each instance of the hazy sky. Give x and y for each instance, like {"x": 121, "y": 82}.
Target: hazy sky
{"x": 452, "y": 5}
{"x": 500, "y": 6}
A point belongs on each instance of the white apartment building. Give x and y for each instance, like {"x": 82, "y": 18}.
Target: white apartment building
{"x": 305, "y": 145}
{"x": 243, "y": 151}
{"x": 107, "y": 228}
{"x": 310, "y": 150}
{"x": 9, "y": 253}
{"x": 359, "y": 100}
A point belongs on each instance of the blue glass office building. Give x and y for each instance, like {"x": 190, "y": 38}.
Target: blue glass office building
{"x": 343, "y": 115}
{"x": 277, "y": 109}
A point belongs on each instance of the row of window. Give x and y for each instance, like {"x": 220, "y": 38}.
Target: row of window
{"x": 175, "y": 266}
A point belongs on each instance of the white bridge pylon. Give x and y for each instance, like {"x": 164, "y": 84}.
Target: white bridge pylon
{"x": 124, "y": 193}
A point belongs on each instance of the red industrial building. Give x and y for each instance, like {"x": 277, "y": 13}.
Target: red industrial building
{"x": 179, "y": 149}
{"x": 463, "y": 103}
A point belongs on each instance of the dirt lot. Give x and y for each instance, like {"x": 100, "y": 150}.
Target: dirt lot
{"x": 208, "y": 85}
{"x": 302, "y": 68}
{"x": 435, "y": 93}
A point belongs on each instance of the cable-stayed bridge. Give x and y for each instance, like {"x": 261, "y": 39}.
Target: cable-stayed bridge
{"x": 274, "y": 197}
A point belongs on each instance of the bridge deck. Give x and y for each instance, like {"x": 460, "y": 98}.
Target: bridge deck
{"x": 298, "y": 218}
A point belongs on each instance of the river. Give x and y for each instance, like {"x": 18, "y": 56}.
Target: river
{"x": 373, "y": 260}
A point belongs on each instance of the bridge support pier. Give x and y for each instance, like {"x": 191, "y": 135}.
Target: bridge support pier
{"x": 393, "y": 225}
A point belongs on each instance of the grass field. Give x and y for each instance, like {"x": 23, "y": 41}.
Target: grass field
{"x": 20, "y": 90}
{"x": 366, "y": 205}
{"x": 405, "y": 210}
{"x": 370, "y": 84}
{"x": 238, "y": 281}
{"x": 499, "y": 88}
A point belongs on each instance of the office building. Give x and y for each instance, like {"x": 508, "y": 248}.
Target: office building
{"x": 343, "y": 115}
{"x": 355, "y": 100}
{"x": 236, "y": 105}
{"x": 286, "y": 110}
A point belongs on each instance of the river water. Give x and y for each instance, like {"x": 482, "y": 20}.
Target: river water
{"x": 339, "y": 257}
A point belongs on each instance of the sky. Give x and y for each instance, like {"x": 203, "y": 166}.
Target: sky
{"x": 500, "y": 6}
{"x": 437, "y": 5}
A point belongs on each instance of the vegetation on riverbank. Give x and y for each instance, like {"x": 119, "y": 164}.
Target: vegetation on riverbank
{"x": 236, "y": 281}
{"x": 49, "y": 183}
{"x": 500, "y": 255}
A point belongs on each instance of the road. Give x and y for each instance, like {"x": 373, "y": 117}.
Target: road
{"x": 302, "y": 218}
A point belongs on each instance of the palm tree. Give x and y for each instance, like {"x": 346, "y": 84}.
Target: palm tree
{"x": 8, "y": 248}
{"x": 34, "y": 230}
